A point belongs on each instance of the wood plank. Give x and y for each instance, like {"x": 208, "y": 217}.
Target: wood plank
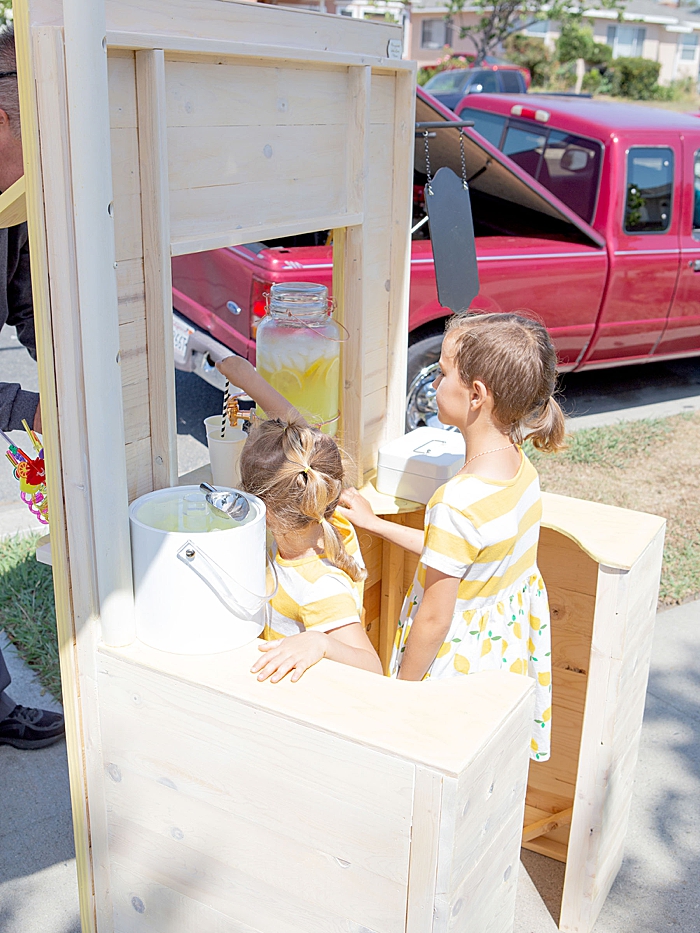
{"x": 133, "y": 356}
{"x": 155, "y": 216}
{"x": 372, "y": 602}
{"x": 547, "y": 825}
{"x": 216, "y": 236}
{"x": 233, "y": 862}
{"x": 13, "y": 204}
{"x": 611, "y": 536}
{"x": 208, "y": 94}
{"x": 122, "y": 88}
{"x": 563, "y": 565}
{"x": 43, "y": 101}
{"x": 138, "y": 466}
{"x": 427, "y": 806}
{"x": 400, "y": 240}
{"x": 271, "y": 54}
{"x": 393, "y": 592}
{"x": 131, "y": 290}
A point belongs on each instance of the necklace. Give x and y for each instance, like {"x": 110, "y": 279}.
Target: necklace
{"x": 484, "y": 452}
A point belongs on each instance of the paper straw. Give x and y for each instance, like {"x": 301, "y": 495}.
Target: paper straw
{"x": 225, "y": 410}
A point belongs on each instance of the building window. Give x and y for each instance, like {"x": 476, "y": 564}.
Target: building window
{"x": 687, "y": 44}
{"x": 626, "y": 41}
{"x": 538, "y": 29}
{"x": 435, "y": 34}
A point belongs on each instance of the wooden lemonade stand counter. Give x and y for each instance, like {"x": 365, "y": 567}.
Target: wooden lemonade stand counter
{"x": 601, "y": 566}
{"x": 203, "y": 800}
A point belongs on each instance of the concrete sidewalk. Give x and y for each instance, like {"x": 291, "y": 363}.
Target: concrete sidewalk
{"x": 657, "y": 890}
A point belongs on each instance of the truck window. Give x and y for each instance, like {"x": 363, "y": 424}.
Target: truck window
{"x": 489, "y": 125}
{"x": 696, "y": 196}
{"x": 649, "y": 190}
{"x": 525, "y": 147}
{"x": 511, "y": 81}
{"x": 570, "y": 170}
{"x": 484, "y": 82}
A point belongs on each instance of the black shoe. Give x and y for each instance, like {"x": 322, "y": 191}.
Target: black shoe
{"x": 31, "y": 728}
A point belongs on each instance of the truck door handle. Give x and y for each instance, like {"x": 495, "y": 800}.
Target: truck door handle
{"x": 694, "y": 264}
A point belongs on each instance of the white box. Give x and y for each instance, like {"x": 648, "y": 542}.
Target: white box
{"x": 415, "y": 465}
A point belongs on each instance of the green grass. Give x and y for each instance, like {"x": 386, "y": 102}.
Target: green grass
{"x": 27, "y": 612}
{"x": 612, "y": 445}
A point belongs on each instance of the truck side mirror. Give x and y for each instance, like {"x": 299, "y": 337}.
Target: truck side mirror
{"x": 574, "y": 159}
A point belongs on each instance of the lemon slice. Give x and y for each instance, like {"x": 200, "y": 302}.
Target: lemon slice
{"x": 286, "y": 381}
{"x": 332, "y": 374}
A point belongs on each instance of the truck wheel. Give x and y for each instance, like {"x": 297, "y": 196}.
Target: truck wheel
{"x": 421, "y": 407}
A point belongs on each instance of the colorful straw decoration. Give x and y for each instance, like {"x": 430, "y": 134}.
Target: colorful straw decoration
{"x": 30, "y": 474}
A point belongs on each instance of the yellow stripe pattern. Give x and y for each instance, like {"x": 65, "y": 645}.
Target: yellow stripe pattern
{"x": 313, "y": 593}
{"x": 486, "y": 534}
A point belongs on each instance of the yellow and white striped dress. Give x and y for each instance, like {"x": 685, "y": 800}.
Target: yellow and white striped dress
{"x": 313, "y": 593}
{"x": 486, "y": 533}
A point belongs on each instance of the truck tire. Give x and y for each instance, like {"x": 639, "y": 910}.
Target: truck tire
{"x": 423, "y": 356}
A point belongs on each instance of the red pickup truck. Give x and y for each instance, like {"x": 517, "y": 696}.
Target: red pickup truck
{"x": 584, "y": 214}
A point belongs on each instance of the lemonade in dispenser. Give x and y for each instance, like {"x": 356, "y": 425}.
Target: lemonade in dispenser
{"x": 298, "y": 351}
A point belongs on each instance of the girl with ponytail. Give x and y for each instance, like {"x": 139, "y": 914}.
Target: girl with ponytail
{"x": 298, "y": 473}
{"x": 478, "y": 601}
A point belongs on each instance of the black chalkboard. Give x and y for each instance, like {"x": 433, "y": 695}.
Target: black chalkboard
{"x": 452, "y": 235}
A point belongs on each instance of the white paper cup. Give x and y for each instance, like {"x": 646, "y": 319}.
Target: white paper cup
{"x": 224, "y": 452}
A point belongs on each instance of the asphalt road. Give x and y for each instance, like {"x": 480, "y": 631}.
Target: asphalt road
{"x": 624, "y": 388}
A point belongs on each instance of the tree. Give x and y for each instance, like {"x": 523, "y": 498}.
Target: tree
{"x": 5, "y": 11}
{"x": 498, "y": 19}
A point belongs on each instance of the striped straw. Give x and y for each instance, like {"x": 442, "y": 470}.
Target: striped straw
{"x": 225, "y": 410}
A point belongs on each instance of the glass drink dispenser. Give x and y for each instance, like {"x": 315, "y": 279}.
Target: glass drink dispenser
{"x": 298, "y": 351}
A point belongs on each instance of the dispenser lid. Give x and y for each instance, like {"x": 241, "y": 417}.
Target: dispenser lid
{"x": 425, "y": 452}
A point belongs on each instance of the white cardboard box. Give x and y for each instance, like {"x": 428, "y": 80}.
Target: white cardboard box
{"x": 416, "y": 465}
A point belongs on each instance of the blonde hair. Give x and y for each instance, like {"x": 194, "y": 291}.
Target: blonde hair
{"x": 516, "y": 360}
{"x": 298, "y": 473}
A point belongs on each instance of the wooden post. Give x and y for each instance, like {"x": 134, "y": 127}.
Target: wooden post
{"x": 91, "y": 163}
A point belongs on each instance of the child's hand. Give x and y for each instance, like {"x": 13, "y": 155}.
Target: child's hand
{"x": 296, "y": 653}
{"x": 354, "y": 507}
{"x": 237, "y": 370}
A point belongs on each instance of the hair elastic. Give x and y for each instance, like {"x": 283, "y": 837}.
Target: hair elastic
{"x": 8, "y": 74}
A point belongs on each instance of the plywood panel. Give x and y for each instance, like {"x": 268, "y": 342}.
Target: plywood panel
{"x": 130, "y": 285}
{"x": 302, "y": 887}
{"x": 372, "y": 601}
{"x": 563, "y": 564}
{"x": 243, "y": 756}
{"x": 122, "y": 89}
{"x": 249, "y": 93}
{"x": 245, "y": 23}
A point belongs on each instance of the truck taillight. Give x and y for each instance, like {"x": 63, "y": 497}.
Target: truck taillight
{"x": 258, "y": 303}
{"x": 542, "y": 116}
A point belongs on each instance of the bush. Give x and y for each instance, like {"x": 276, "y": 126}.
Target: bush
{"x": 592, "y": 81}
{"x": 599, "y": 55}
{"x": 681, "y": 89}
{"x": 532, "y": 54}
{"x": 575, "y": 42}
{"x": 636, "y": 78}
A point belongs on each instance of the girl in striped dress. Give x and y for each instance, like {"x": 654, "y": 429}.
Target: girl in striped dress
{"x": 478, "y": 601}
{"x": 298, "y": 473}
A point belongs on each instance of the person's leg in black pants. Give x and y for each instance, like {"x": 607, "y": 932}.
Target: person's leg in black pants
{"x": 22, "y": 726}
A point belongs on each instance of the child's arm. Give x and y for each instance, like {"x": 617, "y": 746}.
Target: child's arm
{"x": 357, "y": 510}
{"x": 431, "y": 624}
{"x": 297, "y": 653}
{"x": 240, "y": 372}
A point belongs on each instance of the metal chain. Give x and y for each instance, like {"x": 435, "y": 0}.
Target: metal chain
{"x": 429, "y": 186}
{"x": 464, "y": 162}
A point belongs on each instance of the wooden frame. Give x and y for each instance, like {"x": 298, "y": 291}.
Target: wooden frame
{"x": 601, "y": 566}
{"x": 128, "y": 122}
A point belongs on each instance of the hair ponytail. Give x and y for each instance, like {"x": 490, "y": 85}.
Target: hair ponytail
{"x": 337, "y": 555}
{"x": 548, "y": 430}
{"x": 298, "y": 473}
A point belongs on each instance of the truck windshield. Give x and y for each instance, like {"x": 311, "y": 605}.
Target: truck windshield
{"x": 567, "y": 165}
{"x": 446, "y": 81}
